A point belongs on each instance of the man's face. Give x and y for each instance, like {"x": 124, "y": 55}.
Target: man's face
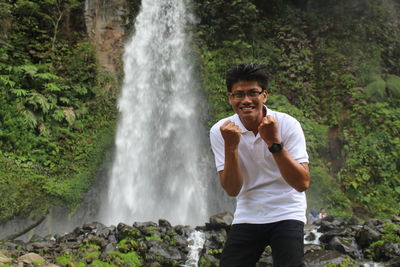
{"x": 248, "y": 106}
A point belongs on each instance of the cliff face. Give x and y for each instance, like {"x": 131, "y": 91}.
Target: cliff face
{"x": 105, "y": 24}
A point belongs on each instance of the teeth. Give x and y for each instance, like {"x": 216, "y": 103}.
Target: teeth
{"x": 247, "y": 108}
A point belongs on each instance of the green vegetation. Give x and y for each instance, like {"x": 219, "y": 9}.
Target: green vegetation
{"x": 346, "y": 262}
{"x": 90, "y": 253}
{"x": 56, "y": 120}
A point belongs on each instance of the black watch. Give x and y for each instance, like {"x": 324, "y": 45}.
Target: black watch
{"x": 275, "y": 147}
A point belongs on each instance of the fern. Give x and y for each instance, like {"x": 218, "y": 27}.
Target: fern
{"x": 31, "y": 70}
{"x": 43, "y": 130}
{"x": 65, "y": 100}
{"x": 58, "y": 115}
{"x": 5, "y": 81}
{"x": 393, "y": 85}
{"x": 82, "y": 90}
{"x": 376, "y": 89}
{"x": 52, "y": 87}
{"x": 69, "y": 114}
{"x": 38, "y": 100}
{"x": 47, "y": 76}
{"x": 81, "y": 112}
{"x": 19, "y": 92}
{"x": 29, "y": 118}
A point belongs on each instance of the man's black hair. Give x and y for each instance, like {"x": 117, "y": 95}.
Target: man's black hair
{"x": 247, "y": 72}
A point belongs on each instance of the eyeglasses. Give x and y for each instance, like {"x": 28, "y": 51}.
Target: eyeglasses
{"x": 242, "y": 94}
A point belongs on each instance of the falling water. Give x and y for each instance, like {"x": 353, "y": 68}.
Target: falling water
{"x": 157, "y": 170}
{"x": 196, "y": 241}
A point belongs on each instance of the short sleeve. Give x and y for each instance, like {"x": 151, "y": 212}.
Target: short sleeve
{"x": 217, "y": 145}
{"x": 294, "y": 140}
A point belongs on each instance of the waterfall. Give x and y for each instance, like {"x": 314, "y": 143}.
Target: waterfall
{"x": 160, "y": 164}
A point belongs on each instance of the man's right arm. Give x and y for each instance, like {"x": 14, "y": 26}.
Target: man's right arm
{"x": 231, "y": 177}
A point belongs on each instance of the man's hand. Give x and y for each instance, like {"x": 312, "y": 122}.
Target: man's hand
{"x": 231, "y": 176}
{"x": 268, "y": 130}
{"x": 231, "y": 134}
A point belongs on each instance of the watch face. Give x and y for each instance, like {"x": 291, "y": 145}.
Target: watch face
{"x": 275, "y": 147}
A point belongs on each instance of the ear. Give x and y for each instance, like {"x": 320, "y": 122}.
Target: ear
{"x": 229, "y": 100}
{"x": 265, "y": 96}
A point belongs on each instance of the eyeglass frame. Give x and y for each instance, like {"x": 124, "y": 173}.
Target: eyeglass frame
{"x": 246, "y": 93}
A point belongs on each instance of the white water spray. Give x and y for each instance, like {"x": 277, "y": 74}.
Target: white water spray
{"x": 157, "y": 170}
{"x": 196, "y": 241}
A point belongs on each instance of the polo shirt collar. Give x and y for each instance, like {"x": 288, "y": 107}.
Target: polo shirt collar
{"x": 239, "y": 123}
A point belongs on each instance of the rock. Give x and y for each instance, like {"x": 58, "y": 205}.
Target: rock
{"x": 4, "y": 259}
{"x": 366, "y": 236}
{"x": 36, "y": 238}
{"x": 221, "y": 220}
{"x": 180, "y": 241}
{"x": 393, "y": 262}
{"x": 183, "y": 230}
{"x": 93, "y": 226}
{"x": 165, "y": 251}
{"x": 386, "y": 252}
{"x": 311, "y": 236}
{"x": 323, "y": 258}
{"x": 327, "y": 225}
{"x": 124, "y": 231}
{"x": 164, "y": 245}
{"x": 327, "y": 237}
{"x": 164, "y": 223}
{"x": 346, "y": 246}
{"x": 31, "y": 258}
{"x": 311, "y": 248}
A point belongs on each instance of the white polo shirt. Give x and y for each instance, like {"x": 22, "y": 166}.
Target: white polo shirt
{"x": 265, "y": 196}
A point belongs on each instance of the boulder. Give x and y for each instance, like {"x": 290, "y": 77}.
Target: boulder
{"x": 220, "y": 221}
{"x": 31, "y": 258}
{"x": 346, "y": 246}
{"x": 323, "y": 258}
{"x": 366, "y": 236}
{"x": 4, "y": 259}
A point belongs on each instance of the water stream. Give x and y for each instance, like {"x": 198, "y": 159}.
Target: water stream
{"x": 196, "y": 242}
{"x": 160, "y": 166}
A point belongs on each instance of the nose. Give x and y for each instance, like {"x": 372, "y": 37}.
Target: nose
{"x": 246, "y": 99}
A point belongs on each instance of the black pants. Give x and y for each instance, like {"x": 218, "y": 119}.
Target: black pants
{"x": 246, "y": 243}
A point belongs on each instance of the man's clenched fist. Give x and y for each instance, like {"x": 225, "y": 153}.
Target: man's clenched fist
{"x": 268, "y": 130}
{"x": 231, "y": 134}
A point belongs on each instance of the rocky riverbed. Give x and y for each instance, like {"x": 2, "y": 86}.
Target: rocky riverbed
{"x": 328, "y": 241}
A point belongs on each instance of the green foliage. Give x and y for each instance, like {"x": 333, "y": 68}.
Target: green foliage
{"x": 131, "y": 257}
{"x": 56, "y": 122}
{"x": 393, "y": 85}
{"x": 153, "y": 237}
{"x": 376, "y": 89}
{"x": 128, "y": 245}
{"x": 90, "y": 254}
{"x": 371, "y": 149}
{"x": 63, "y": 260}
{"x": 205, "y": 262}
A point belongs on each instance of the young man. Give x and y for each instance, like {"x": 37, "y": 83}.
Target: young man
{"x": 261, "y": 158}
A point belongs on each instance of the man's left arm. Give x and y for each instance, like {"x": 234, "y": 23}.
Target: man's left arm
{"x": 295, "y": 174}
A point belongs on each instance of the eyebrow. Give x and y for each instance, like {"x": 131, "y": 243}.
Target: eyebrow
{"x": 256, "y": 89}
